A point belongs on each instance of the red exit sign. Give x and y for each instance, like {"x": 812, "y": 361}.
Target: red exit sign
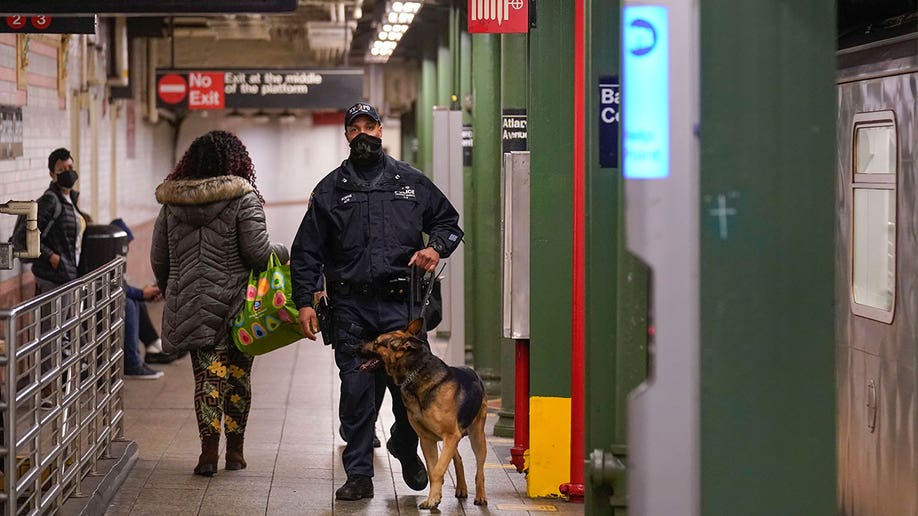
{"x": 205, "y": 90}
{"x": 498, "y": 16}
{"x": 194, "y": 90}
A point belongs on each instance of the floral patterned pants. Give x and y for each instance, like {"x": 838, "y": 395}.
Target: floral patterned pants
{"x": 222, "y": 389}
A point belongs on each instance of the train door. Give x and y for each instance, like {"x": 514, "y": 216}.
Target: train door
{"x": 877, "y": 277}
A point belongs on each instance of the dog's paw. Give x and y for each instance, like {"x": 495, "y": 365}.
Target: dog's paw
{"x": 462, "y": 492}
{"x": 430, "y": 505}
{"x": 481, "y": 501}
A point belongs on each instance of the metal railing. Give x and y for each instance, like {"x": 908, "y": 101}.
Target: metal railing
{"x": 60, "y": 389}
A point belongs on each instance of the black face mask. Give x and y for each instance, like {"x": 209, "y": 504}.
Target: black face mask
{"x": 67, "y": 178}
{"x": 365, "y": 149}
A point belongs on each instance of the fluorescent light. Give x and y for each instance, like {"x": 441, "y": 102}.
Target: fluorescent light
{"x": 395, "y": 23}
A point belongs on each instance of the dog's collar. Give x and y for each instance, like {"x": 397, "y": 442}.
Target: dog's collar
{"x": 409, "y": 378}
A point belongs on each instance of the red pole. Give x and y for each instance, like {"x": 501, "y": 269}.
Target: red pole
{"x": 574, "y": 489}
{"x": 521, "y": 406}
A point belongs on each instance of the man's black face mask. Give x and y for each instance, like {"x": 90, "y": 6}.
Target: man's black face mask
{"x": 365, "y": 149}
{"x": 67, "y": 178}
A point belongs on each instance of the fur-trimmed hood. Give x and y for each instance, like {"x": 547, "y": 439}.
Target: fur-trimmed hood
{"x": 202, "y": 191}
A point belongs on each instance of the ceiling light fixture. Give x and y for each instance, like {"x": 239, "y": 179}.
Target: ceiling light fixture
{"x": 395, "y": 23}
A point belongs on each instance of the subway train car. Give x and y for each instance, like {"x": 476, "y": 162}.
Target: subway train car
{"x": 877, "y": 265}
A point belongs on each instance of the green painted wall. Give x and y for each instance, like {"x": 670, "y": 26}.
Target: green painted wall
{"x": 767, "y": 359}
{"x": 483, "y": 247}
{"x": 551, "y": 75}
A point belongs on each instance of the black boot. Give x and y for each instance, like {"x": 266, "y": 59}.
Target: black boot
{"x": 234, "y": 458}
{"x": 210, "y": 453}
{"x": 356, "y": 487}
{"x": 413, "y": 471}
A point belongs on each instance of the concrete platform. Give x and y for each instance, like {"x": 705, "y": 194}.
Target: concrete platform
{"x": 292, "y": 448}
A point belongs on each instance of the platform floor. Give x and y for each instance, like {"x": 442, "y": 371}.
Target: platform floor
{"x": 292, "y": 448}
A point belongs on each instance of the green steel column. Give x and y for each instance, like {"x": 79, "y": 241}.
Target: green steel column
{"x": 444, "y": 71}
{"x": 551, "y": 57}
{"x": 468, "y": 183}
{"x": 455, "y": 50}
{"x": 465, "y": 75}
{"x": 427, "y": 94}
{"x": 485, "y": 309}
{"x": 768, "y": 108}
{"x": 514, "y": 94}
{"x": 616, "y": 289}
{"x": 551, "y": 144}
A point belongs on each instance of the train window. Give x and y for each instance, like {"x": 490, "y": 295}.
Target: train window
{"x": 873, "y": 220}
{"x": 876, "y": 150}
{"x": 874, "y": 247}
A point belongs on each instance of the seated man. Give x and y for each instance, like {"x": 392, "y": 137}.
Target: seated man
{"x": 134, "y": 366}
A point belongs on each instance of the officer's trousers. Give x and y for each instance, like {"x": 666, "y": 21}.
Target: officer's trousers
{"x": 358, "y": 319}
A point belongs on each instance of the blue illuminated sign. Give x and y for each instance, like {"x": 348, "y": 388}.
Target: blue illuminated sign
{"x": 645, "y": 92}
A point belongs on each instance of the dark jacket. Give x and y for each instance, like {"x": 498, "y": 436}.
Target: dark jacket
{"x": 355, "y": 232}
{"x": 61, "y": 239}
{"x": 209, "y": 234}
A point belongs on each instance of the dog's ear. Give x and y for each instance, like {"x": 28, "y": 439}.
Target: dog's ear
{"x": 414, "y": 343}
{"x": 415, "y": 327}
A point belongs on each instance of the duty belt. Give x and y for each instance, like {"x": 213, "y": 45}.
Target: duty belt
{"x": 396, "y": 289}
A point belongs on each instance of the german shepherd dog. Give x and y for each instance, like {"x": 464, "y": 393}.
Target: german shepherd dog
{"x": 444, "y": 403}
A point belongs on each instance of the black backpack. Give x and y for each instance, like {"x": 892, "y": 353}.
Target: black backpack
{"x": 18, "y": 238}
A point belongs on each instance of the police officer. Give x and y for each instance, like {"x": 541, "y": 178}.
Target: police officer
{"x": 363, "y": 231}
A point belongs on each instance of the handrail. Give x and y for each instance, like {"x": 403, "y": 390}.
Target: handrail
{"x": 64, "y": 350}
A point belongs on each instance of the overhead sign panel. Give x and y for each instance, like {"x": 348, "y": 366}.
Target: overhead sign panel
{"x": 157, "y": 7}
{"x": 498, "y": 16}
{"x": 258, "y": 89}
{"x": 42, "y": 24}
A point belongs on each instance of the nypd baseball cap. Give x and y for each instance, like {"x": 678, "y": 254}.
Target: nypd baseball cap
{"x": 360, "y": 109}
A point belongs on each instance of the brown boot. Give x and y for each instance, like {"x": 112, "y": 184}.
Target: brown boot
{"x": 234, "y": 458}
{"x": 210, "y": 454}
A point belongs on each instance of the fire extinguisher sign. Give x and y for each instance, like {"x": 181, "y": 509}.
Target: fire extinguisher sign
{"x": 498, "y": 16}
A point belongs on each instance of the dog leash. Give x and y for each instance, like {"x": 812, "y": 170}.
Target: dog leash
{"x": 433, "y": 279}
{"x": 430, "y": 286}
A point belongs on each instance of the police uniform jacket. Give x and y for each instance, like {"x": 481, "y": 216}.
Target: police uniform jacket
{"x": 360, "y": 233}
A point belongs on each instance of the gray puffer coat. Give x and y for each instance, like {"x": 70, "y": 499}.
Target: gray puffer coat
{"x": 209, "y": 234}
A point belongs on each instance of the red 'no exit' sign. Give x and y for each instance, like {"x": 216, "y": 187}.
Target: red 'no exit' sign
{"x": 172, "y": 88}
{"x": 498, "y": 16}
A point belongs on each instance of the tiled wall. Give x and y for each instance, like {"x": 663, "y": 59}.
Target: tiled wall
{"x": 118, "y": 151}
{"x": 81, "y": 113}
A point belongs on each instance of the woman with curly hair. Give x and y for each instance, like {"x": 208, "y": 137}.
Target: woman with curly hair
{"x": 210, "y": 233}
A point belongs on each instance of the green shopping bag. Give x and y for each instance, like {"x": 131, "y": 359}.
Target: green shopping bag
{"x": 269, "y": 318}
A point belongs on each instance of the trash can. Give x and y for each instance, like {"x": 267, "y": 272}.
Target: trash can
{"x": 101, "y": 244}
